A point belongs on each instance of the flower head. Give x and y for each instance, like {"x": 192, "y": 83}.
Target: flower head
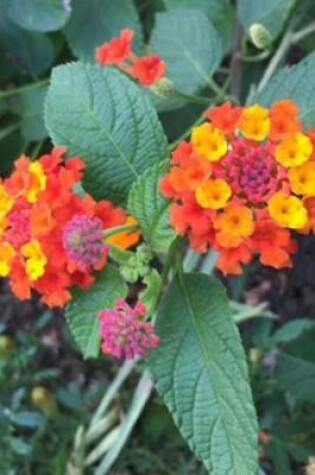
{"x": 124, "y": 333}
{"x": 83, "y": 241}
{"x": 148, "y": 70}
{"x": 51, "y": 239}
{"x": 243, "y": 181}
{"x": 115, "y": 50}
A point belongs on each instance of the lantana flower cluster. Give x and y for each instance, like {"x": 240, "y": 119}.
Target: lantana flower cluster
{"x": 124, "y": 332}
{"x": 51, "y": 238}
{"x": 146, "y": 69}
{"x": 243, "y": 182}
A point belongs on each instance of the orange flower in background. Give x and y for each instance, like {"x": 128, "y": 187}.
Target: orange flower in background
{"x": 147, "y": 69}
{"x": 116, "y": 50}
{"x": 257, "y": 184}
{"x": 51, "y": 238}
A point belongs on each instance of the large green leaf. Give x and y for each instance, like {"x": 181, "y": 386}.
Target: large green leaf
{"x": 296, "y": 367}
{"x": 296, "y": 83}
{"x": 82, "y": 312}
{"x": 39, "y": 15}
{"x": 146, "y": 203}
{"x": 95, "y": 21}
{"x": 192, "y": 51}
{"x": 200, "y": 371}
{"x": 101, "y": 115}
{"x": 22, "y": 51}
{"x": 270, "y": 13}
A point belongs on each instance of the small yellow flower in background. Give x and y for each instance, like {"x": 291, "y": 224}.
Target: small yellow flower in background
{"x": 6, "y": 254}
{"x": 6, "y": 202}
{"x": 287, "y": 210}
{"x": 43, "y": 399}
{"x": 37, "y": 181}
{"x": 255, "y": 123}
{"x": 35, "y": 259}
{"x": 209, "y": 142}
{"x": 213, "y": 194}
{"x": 6, "y": 344}
{"x": 294, "y": 150}
{"x": 302, "y": 179}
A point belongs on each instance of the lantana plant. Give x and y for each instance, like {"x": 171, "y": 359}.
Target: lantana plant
{"x": 132, "y": 235}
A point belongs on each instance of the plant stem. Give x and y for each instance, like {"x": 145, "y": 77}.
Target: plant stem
{"x": 275, "y": 60}
{"x": 113, "y": 389}
{"x": 139, "y": 401}
{"x": 192, "y": 97}
{"x": 299, "y": 35}
{"x": 22, "y": 89}
{"x": 126, "y": 228}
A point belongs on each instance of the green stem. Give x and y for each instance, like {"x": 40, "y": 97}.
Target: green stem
{"x": 113, "y": 389}
{"x": 22, "y": 89}
{"x": 126, "y": 228}
{"x": 275, "y": 60}
{"x": 299, "y": 35}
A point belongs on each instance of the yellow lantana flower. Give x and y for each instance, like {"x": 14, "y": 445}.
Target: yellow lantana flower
{"x": 35, "y": 259}
{"x": 302, "y": 179}
{"x": 294, "y": 150}
{"x": 213, "y": 194}
{"x": 37, "y": 181}
{"x": 287, "y": 210}
{"x": 255, "y": 122}
{"x": 6, "y": 203}
{"x": 234, "y": 225}
{"x": 6, "y": 254}
{"x": 209, "y": 142}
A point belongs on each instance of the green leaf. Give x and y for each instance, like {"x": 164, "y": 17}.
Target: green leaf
{"x": 102, "y": 116}
{"x": 292, "y": 330}
{"x": 27, "y": 419}
{"x": 200, "y": 371}
{"x": 32, "y": 114}
{"x": 150, "y": 295}
{"x": 19, "y": 446}
{"x": 105, "y": 20}
{"x": 39, "y": 15}
{"x": 146, "y": 203}
{"x": 270, "y": 13}
{"x": 22, "y": 51}
{"x": 82, "y": 312}
{"x": 219, "y": 12}
{"x": 192, "y": 52}
{"x": 296, "y": 83}
{"x": 214, "y": 9}
{"x": 296, "y": 367}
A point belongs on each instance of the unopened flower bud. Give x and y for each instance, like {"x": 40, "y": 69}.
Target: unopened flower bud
{"x": 162, "y": 88}
{"x": 260, "y": 36}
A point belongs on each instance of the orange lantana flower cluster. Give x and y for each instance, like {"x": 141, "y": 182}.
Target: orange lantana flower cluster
{"x": 244, "y": 180}
{"x": 50, "y": 237}
{"x": 145, "y": 69}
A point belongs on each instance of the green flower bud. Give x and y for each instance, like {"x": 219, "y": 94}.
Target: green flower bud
{"x": 260, "y": 36}
{"x": 162, "y": 88}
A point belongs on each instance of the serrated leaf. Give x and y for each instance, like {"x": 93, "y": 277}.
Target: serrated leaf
{"x": 39, "y": 15}
{"x": 148, "y": 206}
{"x": 105, "y": 20}
{"x": 82, "y": 312}
{"x": 102, "y": 116}
{"x": 270, "y": 13}
{"x": 200, "y": 372}
{"x": 296, "y": 83}
{"x": 150, "y": 295}
{"x": 192, "y": 52}
{"x": 32, "y": 114}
